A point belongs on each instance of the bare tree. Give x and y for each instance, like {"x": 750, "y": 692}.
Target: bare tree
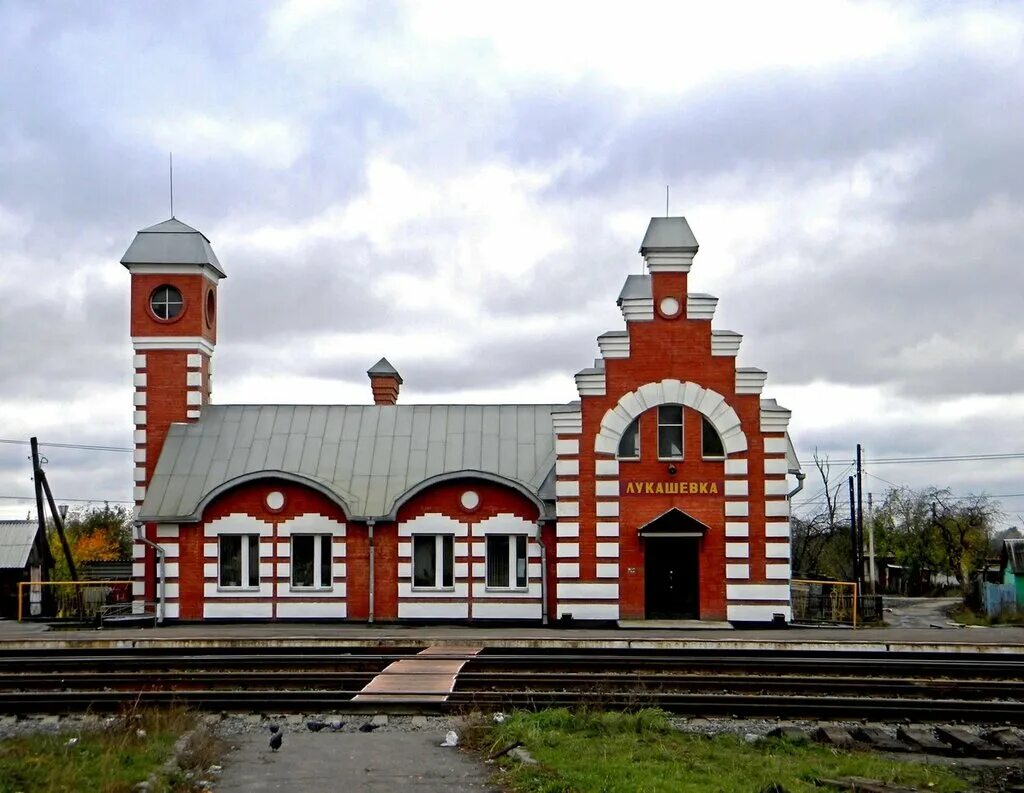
{"x": 814, "y": 538}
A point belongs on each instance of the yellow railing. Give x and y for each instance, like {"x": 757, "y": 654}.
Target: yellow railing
{"x": 831, "y": 602}
{"x": 73, "y": 599}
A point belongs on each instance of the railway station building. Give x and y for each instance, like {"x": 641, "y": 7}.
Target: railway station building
{"x": 661, "y": 493}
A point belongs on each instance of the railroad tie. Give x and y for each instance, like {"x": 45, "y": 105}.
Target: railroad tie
{"x": 428, "y": 676}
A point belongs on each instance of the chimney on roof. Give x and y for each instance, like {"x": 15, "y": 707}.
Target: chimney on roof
{"x": 384, "y": 382}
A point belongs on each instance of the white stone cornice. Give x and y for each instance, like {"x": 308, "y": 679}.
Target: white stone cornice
{"x": 725, "y": 343}
{"x": 637, "y": 309}
{"x": 614, "y": 343}
{"x": 750, "y": 380}
{"x": 590, "y": 382}
{"x": 142, "y": 343}
{"x": 700, "y": 306}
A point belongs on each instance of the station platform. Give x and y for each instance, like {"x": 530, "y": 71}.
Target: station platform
{"x": 945, "y": 639}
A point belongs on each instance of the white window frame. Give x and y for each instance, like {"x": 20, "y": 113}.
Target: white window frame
{"x": 244, "y": 541}
{"x": 438, "y": 563}
{"x": 318, "y": 543}
{"x": 705, "y": 455}
{"x": 512, "y": 540}
{"x": 618, "y": 449}
{"x": 682, "y": 432}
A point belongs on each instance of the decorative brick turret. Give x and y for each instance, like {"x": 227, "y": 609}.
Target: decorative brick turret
{"x": 385, "y": 382}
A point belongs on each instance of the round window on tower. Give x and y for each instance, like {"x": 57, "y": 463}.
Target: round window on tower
{"x": 211, "y": 308}
{"x": 166, "y": 302}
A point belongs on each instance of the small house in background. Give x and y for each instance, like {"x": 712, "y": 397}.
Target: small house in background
{"x": 1013, "y": 568}
{"x": 24, "y": 556}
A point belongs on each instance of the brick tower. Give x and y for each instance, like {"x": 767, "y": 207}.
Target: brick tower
{"x": 174, "y": 274}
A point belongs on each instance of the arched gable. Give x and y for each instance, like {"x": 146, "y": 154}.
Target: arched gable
{"x": 709, "y": 403}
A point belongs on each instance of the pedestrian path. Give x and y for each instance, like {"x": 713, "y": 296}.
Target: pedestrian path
{"x": 378, "y": 762}
{"x": 428, "y": 676}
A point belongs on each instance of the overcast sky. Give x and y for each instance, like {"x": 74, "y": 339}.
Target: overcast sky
{"x": 462, "y": 187}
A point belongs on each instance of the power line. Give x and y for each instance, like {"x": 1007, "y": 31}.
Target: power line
{"x": 73, "y": 500}
{"x": 86, "y": 446}
{"x": 945, "y": 458}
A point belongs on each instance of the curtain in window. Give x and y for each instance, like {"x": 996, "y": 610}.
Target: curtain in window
{"x": 424, "y": 570}
{"x": 497, "y": 561}
{"x": 231, "y": 560}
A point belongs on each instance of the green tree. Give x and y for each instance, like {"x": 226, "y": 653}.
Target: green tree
{"x": 94, "y": 534}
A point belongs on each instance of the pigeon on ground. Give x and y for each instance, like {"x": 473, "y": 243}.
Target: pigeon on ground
{"x": 336, "y": 725}
{"x": 368, "y": 727}
{"x": 273, "y": 728}
{"x": 315, "y": 726}
{"x": 275, "y": 741}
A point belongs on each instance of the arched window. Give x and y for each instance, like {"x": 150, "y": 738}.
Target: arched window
{"x": 629, "y": 444}
{"x": 712, "y": 441}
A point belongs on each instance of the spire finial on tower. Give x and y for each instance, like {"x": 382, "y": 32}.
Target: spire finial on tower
{"x": 170, "y": 168}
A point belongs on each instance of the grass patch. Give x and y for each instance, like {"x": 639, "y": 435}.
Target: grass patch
{"x": 641, "y": 752}
{"x": 965, "y": 616}
{"x": 104, "y": 759}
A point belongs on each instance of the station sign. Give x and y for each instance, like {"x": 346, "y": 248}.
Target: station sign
{"x": 673, "y": 487}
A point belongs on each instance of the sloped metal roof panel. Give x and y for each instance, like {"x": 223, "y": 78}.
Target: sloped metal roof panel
{"x": 367, "y": 456}
{"x": 669, "y": 234}
{"x": 16, "y": 540}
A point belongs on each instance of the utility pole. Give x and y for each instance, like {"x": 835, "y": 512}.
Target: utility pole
{"x": 855, "y": 556}
{"x": 860, "y": 519}
{"x": 871, "y": 543}
{"x": 42, "y": 486}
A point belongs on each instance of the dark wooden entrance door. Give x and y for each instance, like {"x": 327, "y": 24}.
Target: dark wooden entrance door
{"x": 672, "y": 582}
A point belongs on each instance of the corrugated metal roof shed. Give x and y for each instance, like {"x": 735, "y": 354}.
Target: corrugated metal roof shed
{"x": 16, "y": 540}
{"x": 365, "y": 455}
{"x": 1014, "y": 549}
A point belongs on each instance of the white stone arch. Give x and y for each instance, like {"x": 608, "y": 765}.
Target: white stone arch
{"x": 708, "y": 403}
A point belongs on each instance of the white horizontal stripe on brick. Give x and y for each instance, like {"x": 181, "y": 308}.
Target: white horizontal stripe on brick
{"x": 406, "y": 591}
{"x": 167, "y": 531}
{"x": 138, "y": 588}
{"x": 567, "y": 550}
{"x": 776, "y": 509}
{"x": 138, "y": 361}
{"x": 776, "y": 529}
{"x": 567, "y": 488}
{"x": 139, "y": 474}
{"x": 567, "y": 509}
{"x": 481, "y": 590}
{"x": 567, "y": 447}
{"x": 587, "y": 591}
{"x": 139, "y": 380}
{"x": 776, "y": 487}
{"x": 736, "y": 467}
{"x": 608, "y": 550}
{"x": 139, "y": 398}
{"x": 736, "y": 509}
{"x": 589, "y": 611}
{"x": 777, "y": 571}
{"x": 139, "y": 417}
{"x": 507, "y": 611}
{"x": 750, "y": 613}
{"x": 567, "y": 529}
{"x": 194, "y": 379}
{"x": 606, "y": 487}
{"x": 736, "y": 529}
{"x": 139, "y": 437}
{"x": 567, "y": 467}
{"x": 313, "y": 611}
{"x": 335, "y": 592}
{"x": 193, "y": 398}
{"x": 775, "y": 465}
{"x": 138, "y": 569}
{"x": 139, "y": 493}
{"x": 567, "y": 570}
{"x": 440, "y": 611}
{"x": 775, "y": 446}
{"x": 776, "y": 550}
{"x": 606, "y": 467}
{"x": 740, "y": 571}
{"x": 736, "y": 487}
{"x": 262, "y": 591}
{"x": 608, "y": 570}
{"x": 757, "y": 592}
{"x": 607, "y": 529}
{"x": 737, "y": 550}
{"x": 139, "y": 455}
{"x": 193, "y": 360}
{"x": 262, "y": 611}
{"x": 209, "y": 569}
{"x": 607, "y": 509}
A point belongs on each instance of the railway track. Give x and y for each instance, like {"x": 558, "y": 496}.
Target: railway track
{"x": 843, "y": 685}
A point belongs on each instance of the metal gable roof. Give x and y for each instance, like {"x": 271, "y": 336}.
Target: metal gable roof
{"x": 16, "y": 540}
{"x": 366, "y": 455}
{"x": 669, "y": 234}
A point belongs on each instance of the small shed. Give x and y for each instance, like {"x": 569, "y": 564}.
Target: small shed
{"x": 1013, "y": 567}
{"x": 24, "y": 556}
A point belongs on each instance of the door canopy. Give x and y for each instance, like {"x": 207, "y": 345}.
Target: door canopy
{"x": 673, "y": 523}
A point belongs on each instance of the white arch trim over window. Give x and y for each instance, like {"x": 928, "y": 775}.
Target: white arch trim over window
{"x": 671, "y": 392}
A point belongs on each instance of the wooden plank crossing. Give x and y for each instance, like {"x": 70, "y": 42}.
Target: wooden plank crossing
{"x": 423, "y": 677}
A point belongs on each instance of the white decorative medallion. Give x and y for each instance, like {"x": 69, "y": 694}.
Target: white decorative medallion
{"x": 470, "y": 499}
{"x": 275, "y": 499}
{"x": 669, "y": 307}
